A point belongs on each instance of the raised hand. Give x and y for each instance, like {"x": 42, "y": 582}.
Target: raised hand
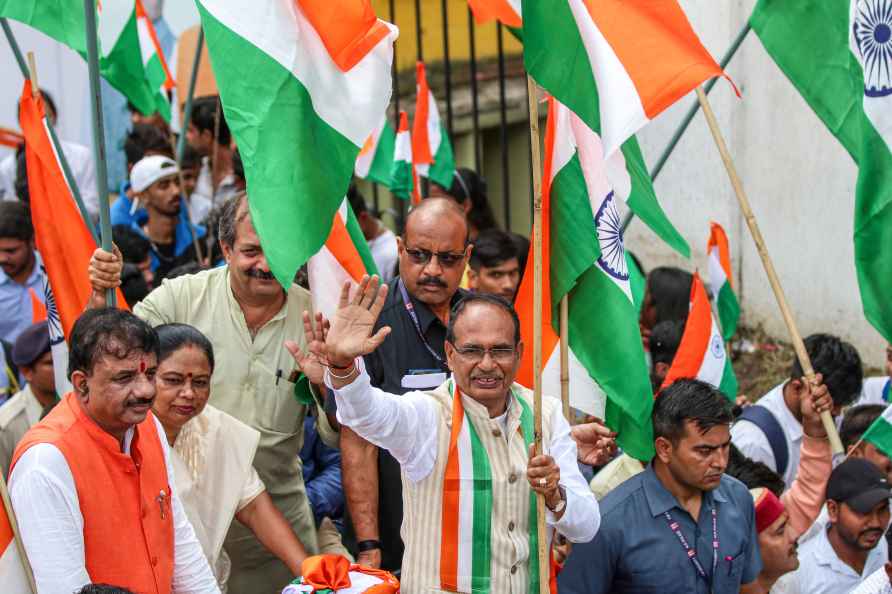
{"x": 312, "y": 362}
{"x": 816, "y": 400}
{"x": 595, "y": 443}
{"x": 350, "y": 335}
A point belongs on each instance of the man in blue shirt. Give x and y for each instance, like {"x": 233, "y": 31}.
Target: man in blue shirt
{"x": 681, "y": 526}
{"x": 21, "y": 276}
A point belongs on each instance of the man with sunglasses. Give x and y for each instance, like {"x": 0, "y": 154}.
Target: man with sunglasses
{"x": 464, "y": 447}
{"x": 433, "y": 252}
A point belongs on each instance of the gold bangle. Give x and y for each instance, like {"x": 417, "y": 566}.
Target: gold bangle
{"x": 352, "y": 370}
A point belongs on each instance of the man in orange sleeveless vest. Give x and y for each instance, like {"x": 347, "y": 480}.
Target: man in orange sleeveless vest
{"x": 91, "y": 483}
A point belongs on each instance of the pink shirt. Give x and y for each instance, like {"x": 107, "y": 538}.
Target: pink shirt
{"x": 804, "y": 499}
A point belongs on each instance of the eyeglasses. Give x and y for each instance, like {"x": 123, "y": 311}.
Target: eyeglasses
{"x": 446, "y": 259}
{"x": 475, "y": 354}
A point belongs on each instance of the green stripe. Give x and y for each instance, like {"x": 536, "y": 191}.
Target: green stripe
{"x": 156, "y": 77}
{"x": 880, "y": 435}
{"x": 443, "y": 168}
{"x": 401, "y": 181}
{"x": 600, "y": 313}
{"x": 382, "y": 162}
{"x": 729, "y": 310}
{"x": 362, "y": 246}
{"x": 298, "y": 168}
{"x": 728, "y": 385}
{"x": 481, "y": 557}
{"x": 528, "y": 430}
{"x": 637, "y": 282}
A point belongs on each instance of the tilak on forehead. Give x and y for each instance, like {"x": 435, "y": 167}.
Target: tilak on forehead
{"x": 142, "y": 365}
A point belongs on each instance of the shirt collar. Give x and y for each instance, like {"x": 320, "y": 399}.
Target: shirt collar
{"x": 33, "y": 278}
{"x": 425, "y": 316}
{"x": 660, "y": 500}
{"x": 827, "y": 557}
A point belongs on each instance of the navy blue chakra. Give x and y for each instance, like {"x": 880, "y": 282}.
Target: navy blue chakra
{"x": 872, "y": 29}
{"x": 610, "y": 237}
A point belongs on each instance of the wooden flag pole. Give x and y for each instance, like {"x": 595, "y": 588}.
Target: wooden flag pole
{"x": 98, "y": 135}
{"x": 14, "y": 525}
{"x": 565, "y": 357}
{"x": 544, "y": 564}
{"x": 798, "y": 344}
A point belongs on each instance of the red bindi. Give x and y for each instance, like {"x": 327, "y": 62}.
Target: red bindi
{"x": 142, "y": 366}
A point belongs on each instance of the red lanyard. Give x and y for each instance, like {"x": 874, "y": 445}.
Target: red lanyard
{"x": 411, "y": 310}
{"x": 692, "y": 552}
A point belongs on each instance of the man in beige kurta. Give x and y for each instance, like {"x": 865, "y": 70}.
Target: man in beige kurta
{"x": 251, "y": 378}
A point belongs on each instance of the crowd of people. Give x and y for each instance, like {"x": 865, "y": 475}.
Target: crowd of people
{"x": 222, "y": 434}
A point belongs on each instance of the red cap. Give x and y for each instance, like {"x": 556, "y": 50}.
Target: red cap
{"x": 768, "y": 508}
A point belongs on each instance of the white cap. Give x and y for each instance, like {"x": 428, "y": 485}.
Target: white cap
{"x": 150, "y": 169}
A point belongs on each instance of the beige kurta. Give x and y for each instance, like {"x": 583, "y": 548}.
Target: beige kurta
{"x": 215, "y": 479}
{"x": 617, "y": 471}
{"x": 17, "y": 415}
{"x": 245, "y": 386}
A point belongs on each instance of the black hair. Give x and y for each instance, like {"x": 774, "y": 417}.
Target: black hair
{"x": 47, "y": 101}
{"x": 133, "y": 284}
{"x": 468, "y": 185}
{"x": 191, "y": 158}
{"x": 173, "y": 337}
{"x": 238, "y": 166}
{"x": 134, "y": 247}
{"x": 664, "y": 340}
{"x": 356, "y": 200}
{"x": 204, "y": 111}
{"x": 492, "y": 247}
{"x": 670, "y": 292}
{"x": 108, "y": 331}
{"x": 753, "y": 474}
{"x": 15, "y": 221}
{"x": 192, "y": 267}
{"x": 496, "y": 300}
{"x": 230, "y": 218}
{"x": 838, "y": 362}
{"x": 142, "y": 139}
{"x": 689, "y": 400}
{"x": 856, "y": 421}
{"x": 102, "y": 589}
{"x": 20, "y": 183}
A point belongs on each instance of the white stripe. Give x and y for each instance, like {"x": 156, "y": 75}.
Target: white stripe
{"x": 516, "y": 6}
{"x": 146, "y": 47}
{"x": 359, "y": 583}
{"x": 111, "y": 20}
{"x": 713, "y": 366}
{"x": 326, "y": 277}
{"x": 887, "y": 414}
{"x": 403, "y": 149}
{"x": 717, "y": 276}
{"x": 12, "y": 574}
{"x": 564, "y": 143}
{"x": 585, "y": 394}
{"x": 350, "y": 102}
{"x": 877, "y": 109}
{"x": 622, "y": 112}
{"x": 433, "y": 124}
{"x": 364, "y": 161}
{"x": 465, "y": 507}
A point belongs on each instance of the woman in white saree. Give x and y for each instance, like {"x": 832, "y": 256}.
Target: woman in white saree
{"x": 212, "y": 454}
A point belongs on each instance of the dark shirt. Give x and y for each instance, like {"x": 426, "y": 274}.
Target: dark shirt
{"x": 322, "y": 475}
{"x": 636, "y": 552}
{"x": 402, "y": 353}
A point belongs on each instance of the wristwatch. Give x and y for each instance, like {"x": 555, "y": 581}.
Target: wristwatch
{"x": 562, "y": 503}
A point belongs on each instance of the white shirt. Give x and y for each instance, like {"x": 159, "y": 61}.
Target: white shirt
{"x": 402, "y": 425}
{"x": 385, "y": 254}
{"x": 876, "y": 583}
{"x": 873, "y": 391}
{"x": 80, "y": 160}
{"x": 45, "y": 501}
{"x": 822, "y": 572}
{"x": 751, "y": 441}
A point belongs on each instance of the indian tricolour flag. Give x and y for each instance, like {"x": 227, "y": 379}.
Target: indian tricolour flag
{"x": 431, "y": 149}
{"x": 303, "y": 84}
{"x": 345, "y": 256}
{"x": 584, "y": 258}
{"x": 720, "y": 284}
{"x": 642, "y": 55}
{"x": 14, "y": 569}
{"x": 880, "y": 432}
{"x": 375, "y": 159}
{"x": 403, "y": 177}
{"x": 838, "y": 55}
{"x": 701, "y": 354}
{"x": 506, "y": 12}
{"x": 153, "y": 61}
{"x": 122, "y": 55}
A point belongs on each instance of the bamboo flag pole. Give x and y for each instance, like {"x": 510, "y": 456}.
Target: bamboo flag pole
{"x": 98, "y": 135}
{"x": 544, "y": 565}
{"x": 774, "y": 281}
{"x": 14, "y": 525}
{"x": 187, "y": 110}
{"x": 565, "y": 357}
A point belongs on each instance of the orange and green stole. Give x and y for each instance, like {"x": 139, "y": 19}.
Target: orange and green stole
{"x": 465, "y": 546}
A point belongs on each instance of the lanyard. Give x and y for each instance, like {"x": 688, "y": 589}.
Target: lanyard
{"x": 691, "y": 552}
{"x": 411, "y": 310}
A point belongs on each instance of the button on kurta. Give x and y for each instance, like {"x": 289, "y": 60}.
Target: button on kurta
{"x": 512, "y": 478}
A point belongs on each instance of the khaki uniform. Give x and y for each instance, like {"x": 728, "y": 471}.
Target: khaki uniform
{"x": 250, "y": 382}
{"x": 17, "y": 415}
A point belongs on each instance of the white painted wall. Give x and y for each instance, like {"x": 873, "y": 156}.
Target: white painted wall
{"x": 799, "y": 179}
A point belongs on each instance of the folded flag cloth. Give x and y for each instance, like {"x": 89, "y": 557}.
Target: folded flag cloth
{"x": 334, "y": 574}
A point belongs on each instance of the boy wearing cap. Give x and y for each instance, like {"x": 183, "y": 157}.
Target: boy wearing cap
{"x": 846, "y": 552}
{"x": 31, "y": 353}
{"x": 154, "y": 183}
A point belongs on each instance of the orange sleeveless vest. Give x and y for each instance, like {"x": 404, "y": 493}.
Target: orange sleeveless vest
{"x": 125, "y": 500}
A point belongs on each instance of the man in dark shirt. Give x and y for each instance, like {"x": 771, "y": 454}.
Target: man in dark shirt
{"x": 682, "y": 526}
{"x": 433, "y": 252}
